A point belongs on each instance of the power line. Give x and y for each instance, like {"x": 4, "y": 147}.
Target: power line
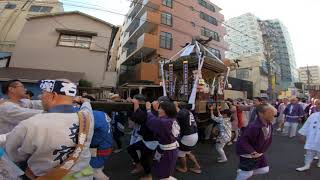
{"x": 108, "y": 11}
{"x": 189, "y": 22}
{"x": 105, "y": 10}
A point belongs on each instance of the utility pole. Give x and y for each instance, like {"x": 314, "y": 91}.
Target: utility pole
{"x": 269, "y": 58}
{"x": 269, "y": 55}
{"x": 309, "y": 78}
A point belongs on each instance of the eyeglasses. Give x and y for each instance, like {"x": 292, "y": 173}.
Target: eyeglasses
{"x": 18, "y": 86}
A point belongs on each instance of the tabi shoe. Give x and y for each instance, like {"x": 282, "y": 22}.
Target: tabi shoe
{"x": 117, "y": 151}
{"x": 279, "y": 129}
{"x": 195, "y": 170}
{"x": 304, "y": 168}
{"x": 180, "y": 169}
{"x": 99, "y": 175}
{"x": 222, "y": 160}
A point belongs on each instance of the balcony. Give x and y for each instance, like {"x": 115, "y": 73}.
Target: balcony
{"x": 148, "y": 22}
{"x": 138, "y": 11}
{"x": 145, "y": 44}
{"x": 142, "y": 72}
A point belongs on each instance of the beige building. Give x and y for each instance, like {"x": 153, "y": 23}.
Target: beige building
{"x": 13, "y": 16}
{"x": 251, "y": 69}
{"x": 77, "y": 42}
{"x": 314, "y": 77}
{"x": 114, "y": 52}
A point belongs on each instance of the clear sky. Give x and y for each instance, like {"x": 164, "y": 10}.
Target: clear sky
{"x": 300, "y": 17}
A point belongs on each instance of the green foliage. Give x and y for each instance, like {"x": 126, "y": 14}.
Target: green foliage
{"x": 85, "y": 83}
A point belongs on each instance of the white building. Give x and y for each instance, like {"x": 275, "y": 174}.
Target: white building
{"x": 239, "y": 44}
{"x": 247, "y": 36}
{"x": 314, "y": 74}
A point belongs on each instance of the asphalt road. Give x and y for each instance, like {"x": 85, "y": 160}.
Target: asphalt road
{"x": 284, "y": 156}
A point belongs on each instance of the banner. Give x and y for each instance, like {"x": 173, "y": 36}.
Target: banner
{"x": 185, "y": 78}
{"x": 171, "y": 85}
{"x": 187, "y": 51}
{"x": 163, "y": 80}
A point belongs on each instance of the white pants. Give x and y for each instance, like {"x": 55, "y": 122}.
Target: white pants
{"x": 243, "y": 175}
{"x": 219, "y": 148}
{"x": 309, "y": 156}
{"x": 290, "y": 128}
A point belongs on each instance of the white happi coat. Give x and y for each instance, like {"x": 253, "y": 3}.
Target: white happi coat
{"x": 12, "y": 114}
{"x": 45, "y": 140}
{"x": 311, "y": 129}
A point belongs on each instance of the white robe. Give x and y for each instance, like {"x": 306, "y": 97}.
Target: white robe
{"x": 12, "y": 114}
{"x": 42, "y": 138}
{"x": 311, "y": 130}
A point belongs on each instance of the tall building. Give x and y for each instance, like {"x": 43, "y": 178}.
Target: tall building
{"x": 247, "y": 35}
{"x": 156, "y": 30}
{"x": 241, "y": 45}
{"x": 277, "y": 35}
{"x": 13, "y": 15}
{"x": 311, "y": 77}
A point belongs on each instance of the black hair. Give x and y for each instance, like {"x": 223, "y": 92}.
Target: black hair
{"x": 30, "y": 93}
{"x": 6, "y": 85}
{"x": 163, "y": 98}
{"x": 169, "y": 108}
{"x": 258, "y": 98}
{"x": 140, "y": 97}
{"x": 226, "y": 112}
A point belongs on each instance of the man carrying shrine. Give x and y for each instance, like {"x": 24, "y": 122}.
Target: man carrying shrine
{"x": 56, "y": 145}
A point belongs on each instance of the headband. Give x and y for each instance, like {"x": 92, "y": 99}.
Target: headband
{"x": 59, "y": 87}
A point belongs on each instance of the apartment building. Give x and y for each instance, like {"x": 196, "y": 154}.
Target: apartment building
{"x": 155, "y": 30}
{"x": 310, "y": 75}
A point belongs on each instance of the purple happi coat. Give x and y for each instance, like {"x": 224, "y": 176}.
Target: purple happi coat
{"x": 256, "y": 138}
{"x": 293, "y": 113}
{"x": 165, "y": 163}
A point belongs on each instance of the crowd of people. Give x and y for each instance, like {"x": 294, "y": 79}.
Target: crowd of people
{"x": 61, "y": 137}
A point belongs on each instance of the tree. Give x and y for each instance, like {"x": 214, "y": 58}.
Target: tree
{"x": 85, "y": 83}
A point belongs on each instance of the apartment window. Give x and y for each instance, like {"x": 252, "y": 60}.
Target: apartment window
{"x": 10, "y": 6}
{"x": 208, "y": 18}
{"x": 207, "y": 5}
{"x": 40, "y": 9}
{"x": 166, "y": 19}
{"x": 167, "y": 3}
{"x": 214, "y": 51}
{"x": 166, "y": 40}
{"x": 243, "y": 73}
{"x": 193, "y": 24}
{"x": 208, "y": 33}
{"x": 75, "y": 41}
